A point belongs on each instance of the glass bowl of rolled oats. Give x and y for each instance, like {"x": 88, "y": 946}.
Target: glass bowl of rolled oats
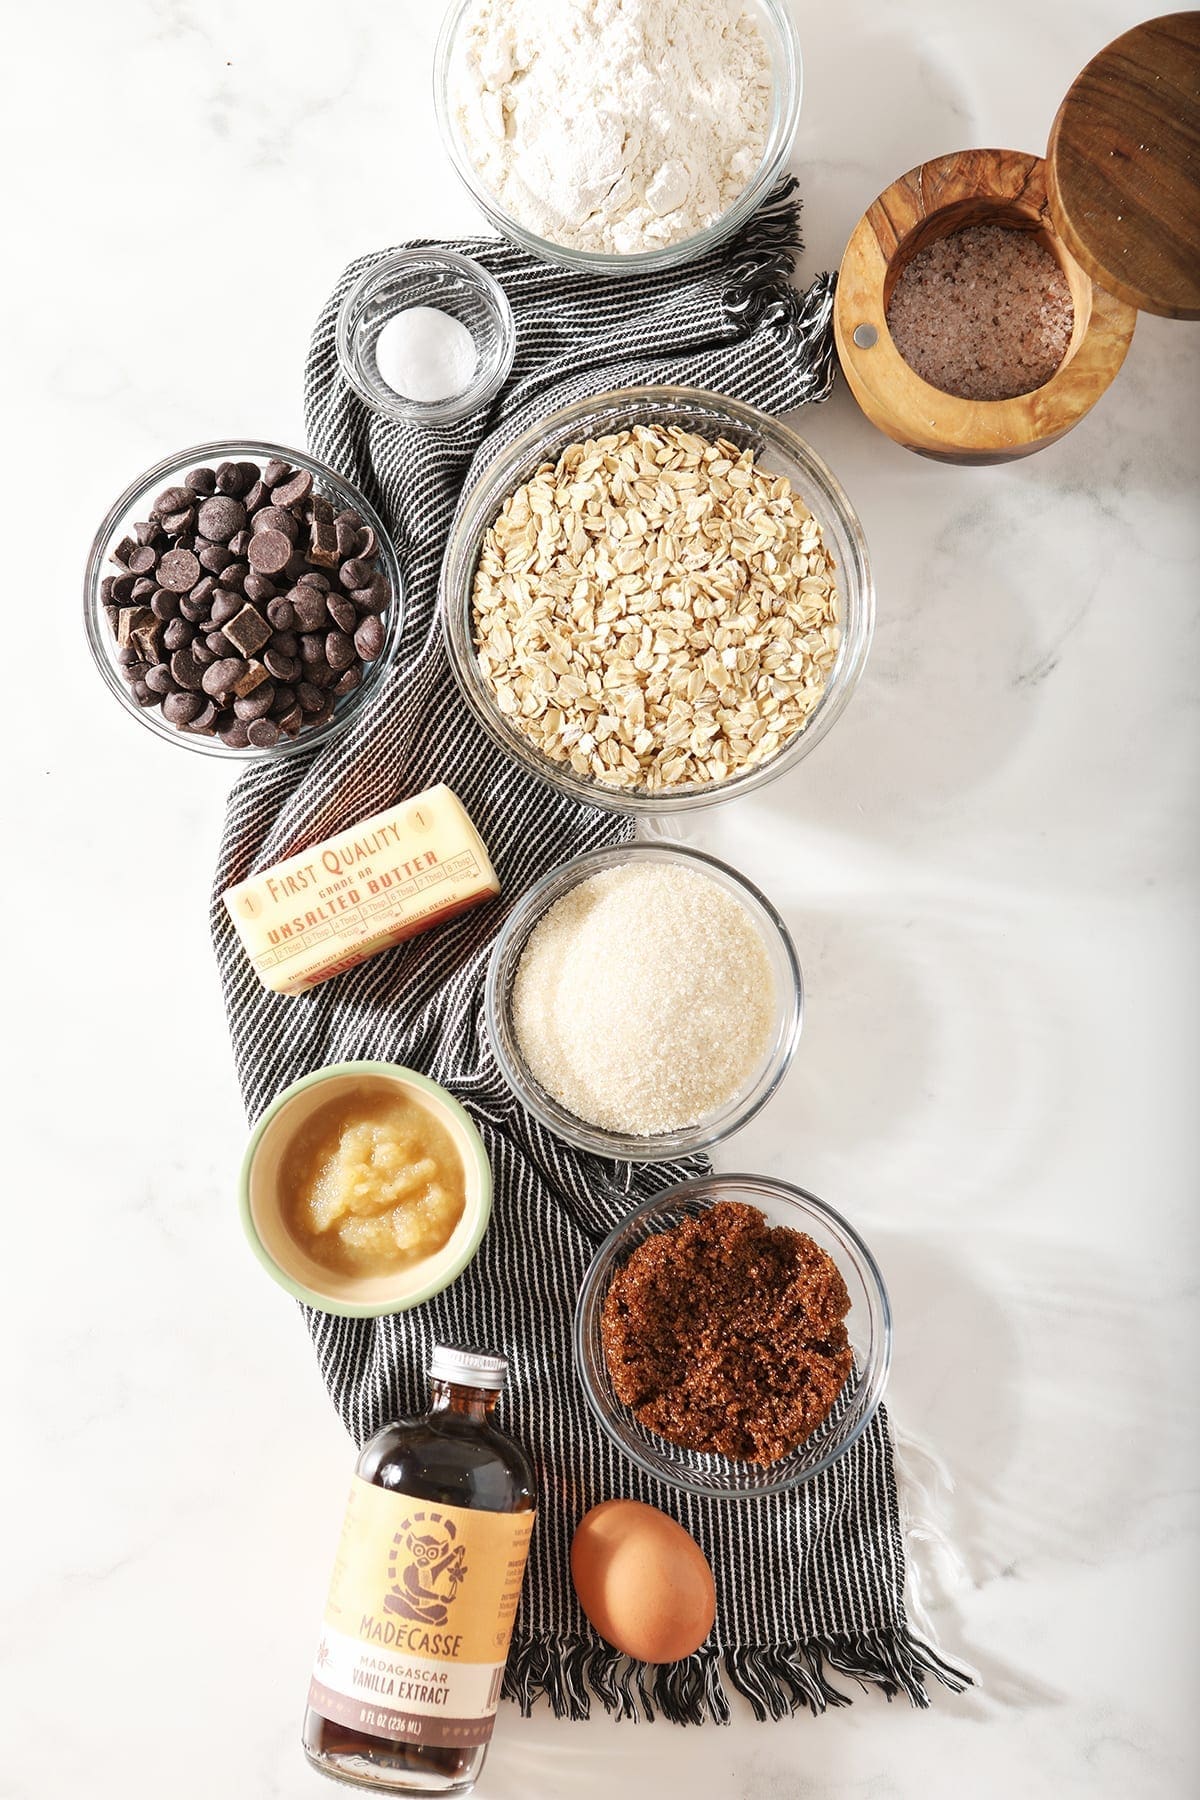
{"x": 657, "y": 598}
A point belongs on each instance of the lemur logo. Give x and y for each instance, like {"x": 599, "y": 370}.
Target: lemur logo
{"x": 425, "y": 1568}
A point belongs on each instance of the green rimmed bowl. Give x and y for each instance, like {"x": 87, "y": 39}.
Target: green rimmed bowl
{"x": 357, "y": 1296}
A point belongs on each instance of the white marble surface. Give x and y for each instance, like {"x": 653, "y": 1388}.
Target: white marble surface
{"x": 990, "y": 870}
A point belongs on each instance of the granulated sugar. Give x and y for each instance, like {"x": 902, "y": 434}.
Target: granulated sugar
{"x": 985, "y": 313}
{"x": 644, "y": 999}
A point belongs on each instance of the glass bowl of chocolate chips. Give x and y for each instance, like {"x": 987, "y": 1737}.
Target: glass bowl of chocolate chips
{"x": 243, "y": 600}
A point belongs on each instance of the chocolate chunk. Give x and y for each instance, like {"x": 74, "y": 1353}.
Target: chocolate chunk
{"x": 292, "y": 492}
{"x": 256, "y": 676}
{"x": 248, "y": 632}
{"x": 178, "y": 571}
{"x": 292, "y": 721}
{"x": 223, "y": 516}
{"x": 368, "y": 639}
{"x": 322, "y": 534}
{"x": 148, "y": 639}
{"x": 113, "y": 615}
{"x": 132, "y": 620}
{"x": 346, "y": 537}
{"x": 269, "y": 552}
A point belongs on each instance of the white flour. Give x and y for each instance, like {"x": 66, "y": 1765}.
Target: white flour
{"x": 615, "y": 125}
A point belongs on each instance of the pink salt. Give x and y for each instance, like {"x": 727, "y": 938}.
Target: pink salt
{"x": 985, "y": 313}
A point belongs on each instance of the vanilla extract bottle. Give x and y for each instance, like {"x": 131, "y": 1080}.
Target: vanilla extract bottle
{"x": 424, "y": 1592}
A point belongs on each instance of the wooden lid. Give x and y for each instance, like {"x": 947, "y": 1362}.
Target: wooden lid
{"x": 1123, "y": 167}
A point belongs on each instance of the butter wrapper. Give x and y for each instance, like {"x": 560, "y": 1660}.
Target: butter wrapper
{"x": 385, "y": 879}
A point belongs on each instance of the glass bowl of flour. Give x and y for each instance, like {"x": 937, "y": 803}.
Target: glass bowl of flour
{"x": 618, "y": 141}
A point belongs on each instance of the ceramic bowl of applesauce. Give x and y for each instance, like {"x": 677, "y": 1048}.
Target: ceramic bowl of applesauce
{"x": 365, "y": 1189}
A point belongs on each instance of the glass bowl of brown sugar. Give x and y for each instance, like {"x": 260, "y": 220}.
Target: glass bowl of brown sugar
{"x": 738, "y": 1311}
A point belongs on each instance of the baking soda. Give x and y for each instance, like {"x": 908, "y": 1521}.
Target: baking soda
{"x": 424, "y": 354}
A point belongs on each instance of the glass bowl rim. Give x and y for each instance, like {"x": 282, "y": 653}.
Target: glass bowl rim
{"x": 787, "y": 92}
{"x": 494, "y": 481}
{"x": 481, "y": 388}
{"x": 594, "y": 1139}
{"x": 701, "y": 1189}
{"x": 224, "y": 450}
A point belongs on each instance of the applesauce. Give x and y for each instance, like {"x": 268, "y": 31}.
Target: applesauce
{"x": 372, "y": 1182}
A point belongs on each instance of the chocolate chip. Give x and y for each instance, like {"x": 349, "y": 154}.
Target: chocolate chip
{"x": 178, "y": 572}
{"x": 255, "y": 705}
{"x": 287, "y": 643}
{"x": 135, "y": 671}
{"x": 314, "y": 579}
{"x": 177, "y": 633}
{"x": 285, "y": 699}
{"x": 230, "y": 480}
{"x": 205, "y": 720}
{"x": 187, "y": 668}
{"x": 283, "y": 668}
{"x": 122, "y": 587}
{"x": 280, "y": 612}
{"x": 164, "y": 605}
{"x": 144, "y": 590}
{"x": 348, "y": 680}
{"x": 214, "y": 558}
{"x": 141, "y": 559}
{"x": 220, "y": 678}
{"x": 311, "y": 698}
{"x": 257, "y": 497}
{"x": 218, "y": 644}
{"x": 312, "y": 649}
{"x": 372, "y": 599}
{"x": 355, "y": 573}
{"x": 160, "y": 679}
{"x": 203, "y": 655}
{"x": 292, "y": 492}
{"x": 343, "y": 612}
{"x": 274, "y": 518}
{"x": 193, "y": 610}
{"x": 345, "y": 536}
{"x": 181, "y": 709}
{"x": 309, "y": 606}
{"x": 339, "y": 650}
{"x": 258, "y": 587}
{"x": 240, "y": 543}
{"x": 276, "y": 472}
{"x": 201, "y": 481}
{"x": 223, "y": 516}
{"x": 233, "y": 576}
{"x": 224, "y": 606}
{"x": 234, "y": 734}
{"x": 269, "y": 552}
{"x": 175, "y": 524}
{"x": 146, "y": 533}
{"x": 263, "y": 733}
{"x": 172, "y": 500}
{"x": 368, "y": 639}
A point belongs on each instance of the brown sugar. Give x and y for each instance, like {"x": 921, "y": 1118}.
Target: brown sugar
{"x": 985, "y": 313}
{"x": 728, "y": 1334}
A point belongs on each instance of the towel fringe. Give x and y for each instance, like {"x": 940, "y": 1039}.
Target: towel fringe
{"x": 778, "y": 1680}
{"x": 759, "y": 292}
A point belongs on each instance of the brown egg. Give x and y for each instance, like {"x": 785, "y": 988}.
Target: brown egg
{"x": 642, "y": 1581}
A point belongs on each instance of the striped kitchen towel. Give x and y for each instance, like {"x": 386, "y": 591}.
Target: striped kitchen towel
{"x": 809, "y": 1585}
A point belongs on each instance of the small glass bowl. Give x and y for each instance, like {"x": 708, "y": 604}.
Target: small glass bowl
{"x": 711, "y": 416}
{"x": 666, "y": 1146}
{"x": 869, "y": 1323}
{"x": 134, "y": 504}
{"x": 787, "y": 83}
{"x": 451, "y": 283}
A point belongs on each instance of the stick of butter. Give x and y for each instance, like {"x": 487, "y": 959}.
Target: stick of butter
{"x": 384, "y": 880}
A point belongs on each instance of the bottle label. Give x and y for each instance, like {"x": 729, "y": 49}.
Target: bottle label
{"x": 418, "y": 1620}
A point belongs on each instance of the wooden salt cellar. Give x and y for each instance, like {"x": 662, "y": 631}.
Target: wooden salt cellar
{"x": 1116, "y": 202}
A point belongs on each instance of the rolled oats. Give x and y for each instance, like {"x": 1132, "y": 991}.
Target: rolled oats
{"x": 655, "y": 610}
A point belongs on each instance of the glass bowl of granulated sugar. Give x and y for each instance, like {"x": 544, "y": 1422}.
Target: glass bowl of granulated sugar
{"x": 644, "y": 1001}
{"x": 618, "y": 145}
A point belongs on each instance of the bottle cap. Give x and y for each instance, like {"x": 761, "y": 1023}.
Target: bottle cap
{"x": 468, "y": 1368}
